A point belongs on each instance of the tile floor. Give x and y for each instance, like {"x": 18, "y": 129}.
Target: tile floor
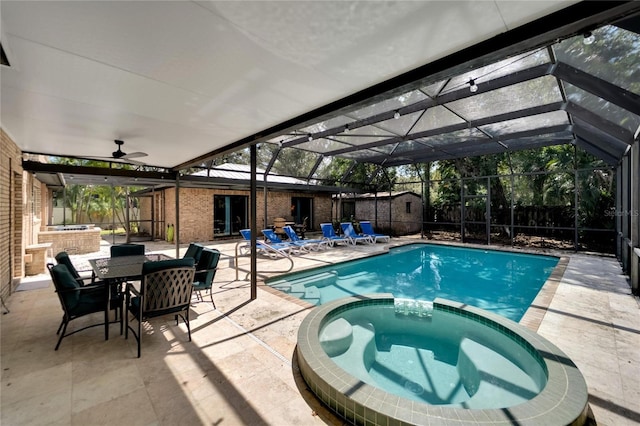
{"x": 240, "y": 367}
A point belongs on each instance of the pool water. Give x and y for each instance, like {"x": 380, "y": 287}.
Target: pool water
{"x": 440, "y": 359}
{"x": 501, "y": 282}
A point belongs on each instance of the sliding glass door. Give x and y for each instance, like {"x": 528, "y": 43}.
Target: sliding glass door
{"x": 229, "y": 214}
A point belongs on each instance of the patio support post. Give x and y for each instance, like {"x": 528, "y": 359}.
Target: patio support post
{"x": 127, "y": 219}
{"x": 264, "y": 196}
{"x": 390, "y": 207}
{"x": 424, "y": 196}
{"x": 513, "y": 228}
{"x": 375, "y": 206}
{"x": 488, "y": 207}
{"x": 423, "y": 209}
{"x": 575, "y": 198}
{"x": 634, "y": 270}
{"x": 462, "y": 209}
{"x": 113, "y": 215}
{"x": 176, "y": 229}
{"x": 64, "y": 205}
{"x": 618, "y": 218}
{"x": 153, "y": 214}
{"x": 252, "y": 217}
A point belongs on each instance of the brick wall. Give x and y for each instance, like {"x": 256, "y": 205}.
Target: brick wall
{"x": 21, "y": 213}
{"x": 73, "y": 242}
{"x": 11, "y": 220}
{"x": 402, "y": 223}
{"x": 196, "y": 209}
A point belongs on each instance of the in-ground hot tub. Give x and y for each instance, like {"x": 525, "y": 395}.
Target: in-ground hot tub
{"x": 376, "y": 361}
{"x": 74, "y": 239}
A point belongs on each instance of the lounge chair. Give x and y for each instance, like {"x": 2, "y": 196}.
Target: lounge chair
{"x": 367, "y": 229}
{"x": 329, "y": 235}
{"x": 314, "y": 245}
{"x": 347, "y": 229}
{"x": 264, "y": 248}
{"x": 273, "y": 239}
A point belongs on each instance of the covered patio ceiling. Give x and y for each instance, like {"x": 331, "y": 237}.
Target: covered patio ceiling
{"x": 186, "y": 82}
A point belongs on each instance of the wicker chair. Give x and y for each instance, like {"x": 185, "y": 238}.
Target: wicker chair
{"x": 165, "y": 289}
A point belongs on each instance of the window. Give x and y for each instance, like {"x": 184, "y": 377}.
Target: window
{"x": 348, "y": 210}
{"x": 407, "y": 206}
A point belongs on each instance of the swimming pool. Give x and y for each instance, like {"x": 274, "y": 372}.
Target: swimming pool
{"x": 501, "y": 282}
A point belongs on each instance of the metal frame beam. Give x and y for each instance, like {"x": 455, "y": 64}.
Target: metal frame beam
{"x": 599, "y": 87}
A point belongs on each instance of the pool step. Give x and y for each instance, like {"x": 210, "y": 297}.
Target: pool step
{"x": 361, "y": 353}
{"x": 318, "y": 280}
{"x": 358, "y": 276}
{"x": 310, "y": 293}
{"x": 491, "y": 379}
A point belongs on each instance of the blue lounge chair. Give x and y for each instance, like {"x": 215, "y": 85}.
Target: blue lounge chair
{"x": 314, "y": 245}
{"x": 273, "y": 239}
{"x": 264, "y": 248}
{"x": 329, "y": 235}
{"x": 347, "y": 229}
{"x": 367, "y": 229}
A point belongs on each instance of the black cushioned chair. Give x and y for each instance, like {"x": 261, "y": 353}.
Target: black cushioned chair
{"x": 78, "y": 301}
{"x": 165, "y": 289}
{"x": 127, "y": 250}
{"x": 205, "y": 272}
{"x": 63, "y": 259}
{"x": 116, "y": 289}
{"x": 194, "y": 250}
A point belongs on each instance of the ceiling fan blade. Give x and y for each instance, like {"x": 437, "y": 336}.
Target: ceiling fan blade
{"x": 134, "y": 155}
{"x": 134, "y": 162}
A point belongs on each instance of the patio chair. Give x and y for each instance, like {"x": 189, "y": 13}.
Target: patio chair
{"x": 347, "y": 229}
{"x": 270, "y": 250}
{"x": 367, "y": 229}
{"x": 274, "y": 240}
{"x": 63, "y": 259}
{"x": 115, "y": 295}
{"x": 78, "y": 301}
{"x": 165, "y": 289}
{"x": 329, "y": 235}
{"x": 205, "y": 272}
{"x": 127, "y": 250}
{"x": 314, "y": 245}
{"x": 194, "y": 250}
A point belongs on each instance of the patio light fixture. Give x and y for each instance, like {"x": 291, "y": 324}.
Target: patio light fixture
{"x": 589, "y": 38}
{"x": 473, "y": 86}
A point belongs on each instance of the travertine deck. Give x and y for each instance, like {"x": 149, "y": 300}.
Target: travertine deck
{"x": 239, "y": 368}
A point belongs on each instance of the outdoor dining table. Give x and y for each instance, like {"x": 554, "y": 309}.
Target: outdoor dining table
{"x": 117, "y": 270}
{"x": 123, "y": 268}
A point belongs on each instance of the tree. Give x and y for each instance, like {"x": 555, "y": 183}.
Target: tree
{"x": 95, "y": 203}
